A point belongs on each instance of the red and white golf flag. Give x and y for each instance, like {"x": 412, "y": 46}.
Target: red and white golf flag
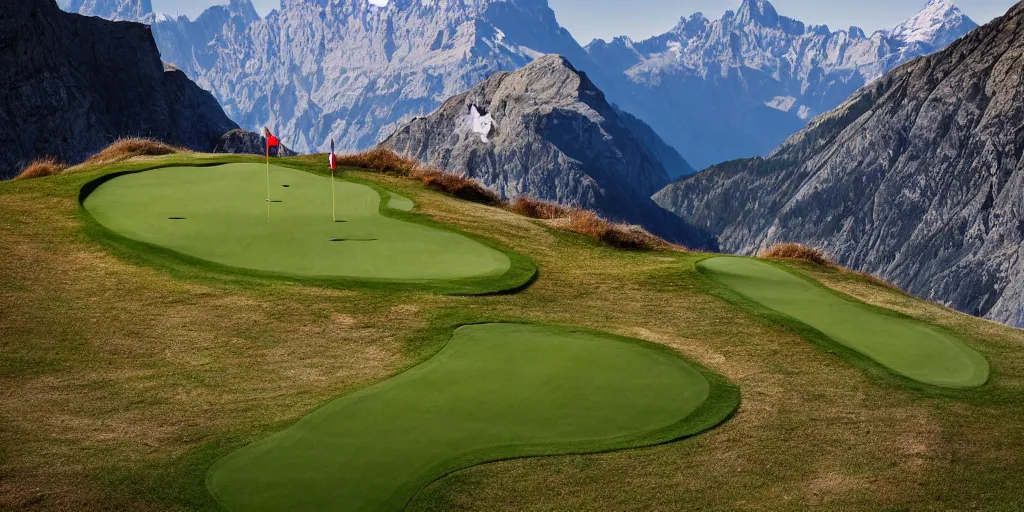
{"x": 332, "y": 158}
{"x": 272, "y": 142}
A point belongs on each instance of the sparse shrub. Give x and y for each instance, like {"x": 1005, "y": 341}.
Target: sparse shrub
{"x": 458, "y": 186}
{"x": 380, "y": 160}
{"x": 123, "y": 149}
{"x": 622, "y": 236}
{"x": 793, "y": 251}
{"x": 42, "y": 167}
{"x": 537, "y": 209}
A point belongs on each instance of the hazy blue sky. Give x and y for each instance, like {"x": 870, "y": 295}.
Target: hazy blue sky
{"x": 587, "y": 19}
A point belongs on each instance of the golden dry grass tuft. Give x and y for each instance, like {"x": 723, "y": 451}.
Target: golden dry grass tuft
{"x": 793, "y": 251}
{"x": 42, "y": 167}
{"x": 537, "y": 209}
{"x": 123, "y": 149}
{"x": 622, "y": 236}
{"x": 458, "y": 186}
{"x": 380, "y": 160}
{"x": 588, "y": 223}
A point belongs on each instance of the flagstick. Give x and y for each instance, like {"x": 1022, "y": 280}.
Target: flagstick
{"x": 268, "y": 184}
{"x": 334, "y": 208}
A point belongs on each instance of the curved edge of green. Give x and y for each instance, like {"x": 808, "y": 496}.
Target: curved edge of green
{"x": 721, "y": 404}
{"x": 521, "y": 274}
{"x": 825, "y": 343}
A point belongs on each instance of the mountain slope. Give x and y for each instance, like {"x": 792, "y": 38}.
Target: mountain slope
{"x": 71, "y": 84}
{"x": 918, "y": 177}
{"x": 556, "y": 138}
{"x": 738, "y": 86}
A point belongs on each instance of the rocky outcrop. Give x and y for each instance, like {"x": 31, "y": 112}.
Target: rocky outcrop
{"x": 554, "y": 137}
{"x": 70, "y": 85}
{"x": 739, "y": 86}
{"x": 918, "y": 177}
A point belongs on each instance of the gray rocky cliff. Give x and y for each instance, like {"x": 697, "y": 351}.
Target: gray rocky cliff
{"x": 555, "y": 137}
{"x": 919, "y": 178}
{"x": 71, "y": 84}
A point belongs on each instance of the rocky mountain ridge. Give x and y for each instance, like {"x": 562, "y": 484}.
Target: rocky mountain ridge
{"x": 919, "y": 178}
{"x": 551, "y": 134}
{"x": 354, "y": 71}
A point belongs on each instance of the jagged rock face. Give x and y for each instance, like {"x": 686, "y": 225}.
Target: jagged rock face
{"x": 555, "y": 137}
{"x": 352, "y": 71}
{"x": 918, "y": 178}
{"x": 70, "y": 85}
{"x": 738, "y": 86}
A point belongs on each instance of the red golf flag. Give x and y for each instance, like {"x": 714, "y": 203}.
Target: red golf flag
{"x": 272, "y": 142}
{"x": 332, "y": 158}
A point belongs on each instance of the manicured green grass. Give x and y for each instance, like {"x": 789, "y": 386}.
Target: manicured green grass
{"x": 905, "y": 346}
{"x": 400, "y": 203}
{"x": 495, "y": 391}
{"x": 219, "y": 214}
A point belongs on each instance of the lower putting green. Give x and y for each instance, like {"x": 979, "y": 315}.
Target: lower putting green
{"x": 495, "y": 391}
{"x": 219, "y": 214}
{"x": 903, "y": 345}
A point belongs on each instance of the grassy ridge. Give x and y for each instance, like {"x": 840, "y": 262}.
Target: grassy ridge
{"x": 124, "y": 379}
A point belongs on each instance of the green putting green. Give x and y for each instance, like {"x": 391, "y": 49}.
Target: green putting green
{"x": 905, "y": 346}
{"x": 399, "y": 202}
{"x": 219, "y": 214}
{"x": 494, "y": 391}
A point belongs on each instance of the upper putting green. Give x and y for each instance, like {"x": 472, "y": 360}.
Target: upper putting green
{"x": 219, "y": 214}
{"x": 905, "y": 346}
{"x": 495, "y": 391}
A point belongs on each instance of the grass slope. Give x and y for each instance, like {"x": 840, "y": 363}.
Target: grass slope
{"x": 495, "y": 391}
{"x": 905, "y": 346}
{"x": 127, "y": 373}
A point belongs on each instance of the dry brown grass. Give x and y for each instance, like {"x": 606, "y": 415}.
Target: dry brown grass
{"x": 576, "y": 220}
{"x": 458, "y": 186}
{"x": 380, "y": 160}
{"x": 124, "y": 368}
{"x": 586, "y": 222}
{"x": 622, "y": 236}
{"x": 536, "y": 209}
{"x": 42, "y": 167}
{"x": 123, "y": 149}
{"x": 793, "y": 251}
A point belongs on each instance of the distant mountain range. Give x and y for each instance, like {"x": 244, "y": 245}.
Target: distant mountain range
{"x": 353, "y": 71}
{"x": 919, "y": 178}
{"x": 738, "y": 86}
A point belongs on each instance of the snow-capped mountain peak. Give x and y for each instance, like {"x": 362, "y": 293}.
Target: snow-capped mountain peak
{"x": 938, "y": 24}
